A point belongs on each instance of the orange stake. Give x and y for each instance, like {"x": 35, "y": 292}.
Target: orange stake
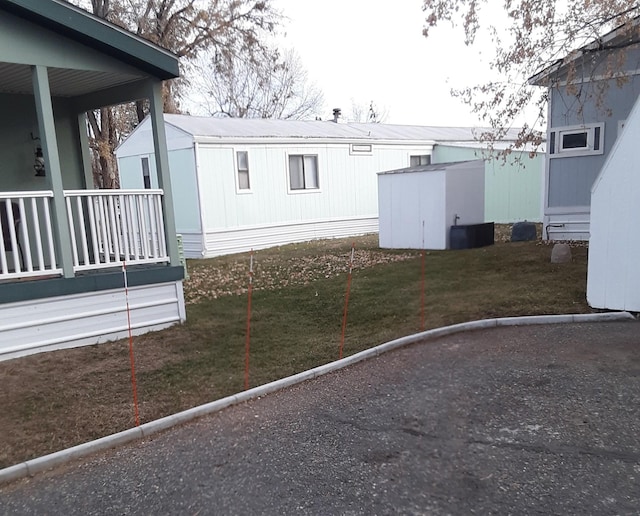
{"x": 422, "y": 293}
{"x": 346, "y": 301}
{"x": 248, "y": 335}
{"x": 131, "y": 357}
{"x": 422, "y": 282}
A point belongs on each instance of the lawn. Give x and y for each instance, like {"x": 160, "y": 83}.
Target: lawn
{"x": 55, "y": 400}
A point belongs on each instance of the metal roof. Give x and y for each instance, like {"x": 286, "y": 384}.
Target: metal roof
{"x": 228, "y": 128}
{"x": 85, "y": 28}
{"x": 435, "y": 133}
{"x": 434, "y": 167}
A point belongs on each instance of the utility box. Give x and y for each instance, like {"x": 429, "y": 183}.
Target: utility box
{"x": 470, "y": 236}
{"x": 418, "y": 205}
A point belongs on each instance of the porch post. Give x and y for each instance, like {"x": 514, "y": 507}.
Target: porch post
{"x": 86, "y": 153}
{"x": 162, "y": 167}
{"x": 48, "y": 139}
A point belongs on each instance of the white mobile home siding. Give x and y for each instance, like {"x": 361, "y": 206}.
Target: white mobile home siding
{"x": 76, "y": 320}
{"x": 613, "y": 281}
{"x": 270, "y": 213}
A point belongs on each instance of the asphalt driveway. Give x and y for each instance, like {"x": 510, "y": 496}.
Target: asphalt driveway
{"x": 514, "y": 420}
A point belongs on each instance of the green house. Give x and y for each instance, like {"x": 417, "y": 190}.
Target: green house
{"x": 66, "y": 245}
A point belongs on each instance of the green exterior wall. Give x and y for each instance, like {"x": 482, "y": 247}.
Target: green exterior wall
{"x": 40, "y": 46}
{"x": 18, "y": 149}
{"x": 512, "y": 190}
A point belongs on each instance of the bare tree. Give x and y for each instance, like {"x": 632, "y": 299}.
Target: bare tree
{"x": 265, "y": 85}
{"x": 185, "y": 27}
{"x": 361, "y": 112}
{"x": 534, "y": 36}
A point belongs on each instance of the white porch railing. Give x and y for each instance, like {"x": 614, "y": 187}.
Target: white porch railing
{"x": 26, "y": 227}
{"x": 109, "y": 227}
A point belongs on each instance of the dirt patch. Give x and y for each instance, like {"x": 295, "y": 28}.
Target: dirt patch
{"x": 210, "y": 279}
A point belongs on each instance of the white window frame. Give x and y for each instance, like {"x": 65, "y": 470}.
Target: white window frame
{"x": 236, "y": 169}
{"x": 595, "y": 140}
{"x": 288, "y": 174}
{"x": 361, "y": 149}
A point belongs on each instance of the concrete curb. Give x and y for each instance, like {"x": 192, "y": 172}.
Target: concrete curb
{"x": 33, "y": 466}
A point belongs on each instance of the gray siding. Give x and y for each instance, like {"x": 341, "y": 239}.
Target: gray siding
{"x": 571, "y": 178}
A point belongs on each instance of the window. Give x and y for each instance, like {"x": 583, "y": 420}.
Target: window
{"x": 578, "y": 140}
{"x": 424, "y": 159}
{"x": 146, "y": 177}
{"x": 303, "y": 172}
{"x": 571, "y": 140}
{"x": 362, "y": 149}
{"x": 242, "y": 161}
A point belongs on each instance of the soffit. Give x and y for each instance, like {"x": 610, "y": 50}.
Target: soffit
{"x": 16, "y": 78}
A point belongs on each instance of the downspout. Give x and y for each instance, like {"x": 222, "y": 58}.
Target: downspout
{"x": 545, "y": 175}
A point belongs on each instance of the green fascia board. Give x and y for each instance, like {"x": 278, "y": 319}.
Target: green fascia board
{"x": 12, "y": 292}
{"x": 84, "y": 27}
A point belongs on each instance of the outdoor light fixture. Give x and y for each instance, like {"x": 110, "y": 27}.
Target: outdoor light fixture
{"x": 38, "y": 165}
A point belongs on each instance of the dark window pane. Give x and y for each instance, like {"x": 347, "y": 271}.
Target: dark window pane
{"x": 574, "y": 141}
{"x": 596, "y": 139}
{"x": 415, "y": 161}
{"x": 146, "y": 176}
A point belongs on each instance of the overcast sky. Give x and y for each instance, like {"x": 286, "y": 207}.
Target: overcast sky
{"x": 373, "y": 50}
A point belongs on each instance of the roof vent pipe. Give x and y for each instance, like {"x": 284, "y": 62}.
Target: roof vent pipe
{"x": 337, "y": 113}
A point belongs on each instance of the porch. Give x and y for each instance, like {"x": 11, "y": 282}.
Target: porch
{"x": 64, "y": 245}
{"x": 110, "y": 231}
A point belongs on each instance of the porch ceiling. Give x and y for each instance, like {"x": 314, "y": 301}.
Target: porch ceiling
{"x": 16, "y": 78}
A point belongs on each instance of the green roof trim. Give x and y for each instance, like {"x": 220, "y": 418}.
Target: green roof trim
{"x": 84, "y": 27}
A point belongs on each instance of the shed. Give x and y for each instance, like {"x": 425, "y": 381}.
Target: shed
{"x": 613, "y": 281}
{"x": 418, "y": 205}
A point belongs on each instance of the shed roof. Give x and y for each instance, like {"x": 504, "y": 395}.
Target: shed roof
{"x": 229, "y": 128}
{"x": 83, "y": 27}
{"x": 435, "y": 167}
